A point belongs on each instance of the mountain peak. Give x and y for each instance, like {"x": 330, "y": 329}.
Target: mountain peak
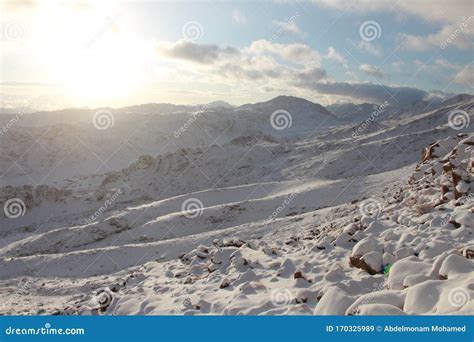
{"x": 289, "y": 103}
{"x": 219, "y": 104}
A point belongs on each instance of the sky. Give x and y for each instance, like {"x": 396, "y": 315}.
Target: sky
{"x": 59, "y": 53}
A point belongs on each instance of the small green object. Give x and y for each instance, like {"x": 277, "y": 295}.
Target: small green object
{"x": 386, "y": 269}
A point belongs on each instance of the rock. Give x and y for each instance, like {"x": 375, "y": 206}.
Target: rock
{"x": 405, "y": 267}
{"x": 334, "y": 301}
{"x": 335, "y": 275}
{"x": 376, "y": 227}
{"x": 389, "y": 236}
{"x": 196, "y": 270}
{"x": 343, "y": 240}
{"x": 201, "y": 255}
{"x": 225, "y": 283}
{"x": 468, "y": 252}
{"x": 300, "y": 275}
{"x": 351, "y": 228}
{"x": 237, "y": 243}
{"x": 388, "y": 259}
{"x": 393, "y": 298}
{"x": 323, "y": 242}
{"x": 371, "y": 262}
{"x": 404, "y": 252}
{"x": 414, "y": 279}
{"x": 269, "y": 250}
{"x": 364, "y": 246}
{"x": 380, "y": 310}
{"x": 287, "y": 269}
{"x": 455, "y": 265}
{"x": 462, "y": 187}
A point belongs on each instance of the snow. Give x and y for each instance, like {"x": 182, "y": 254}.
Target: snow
{"x": 309, "y": 220}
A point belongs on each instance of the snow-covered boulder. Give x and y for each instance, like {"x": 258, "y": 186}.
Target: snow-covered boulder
{"x": 406, "y": 267}
{"x": 334, "y": 301}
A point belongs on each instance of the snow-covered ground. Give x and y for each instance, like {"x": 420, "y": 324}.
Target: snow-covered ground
{"x": 223, "y": 210}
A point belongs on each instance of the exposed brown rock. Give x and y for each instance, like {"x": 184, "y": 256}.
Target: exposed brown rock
{"x": 358, "y": 262}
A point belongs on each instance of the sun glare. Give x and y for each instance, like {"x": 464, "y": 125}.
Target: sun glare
{"x": 94, "y": 56}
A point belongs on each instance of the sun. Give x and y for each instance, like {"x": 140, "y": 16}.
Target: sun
{"x": 94, "y": 55}
{"x": 111, "y": 69}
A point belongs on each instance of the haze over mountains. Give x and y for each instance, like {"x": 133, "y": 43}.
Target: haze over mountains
{"x": 164, "y": 208}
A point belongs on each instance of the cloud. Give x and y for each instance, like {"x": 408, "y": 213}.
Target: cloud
{"x": 287, "y": 27}
{"x": 336, "y": 56}
{"x": 445, "y": 64}
{"x": 465, "y": 76}
{"x": 293, "y": 53}
{"x": 451, "y": 17}
{"x": 239, "y": 17}
{"x": 296, "y": 68}
{"x": 262, "y": 61}
{"x": 459, "y": 35}
{"x": 311, "y": 75}
{"x": 370, "y": 92}
{"x": 199, "y": 53}
{"x": 372, "y": 70}
{"x": 370, "y": 48}
{"x": 250, "y": 70}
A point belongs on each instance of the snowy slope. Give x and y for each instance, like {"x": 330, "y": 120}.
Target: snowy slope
{"x": 235, "y": 216}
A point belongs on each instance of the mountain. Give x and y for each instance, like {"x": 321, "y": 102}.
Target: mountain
{"x": 350, "y": 112}
{"x": 304, "y": 114}
{"x": 294, "y": 105}
{"x": 216, "y": 211}
{"x": 156, "y": 108}
{"x": 219, "y": 104}
{"x": 457, "y": 99}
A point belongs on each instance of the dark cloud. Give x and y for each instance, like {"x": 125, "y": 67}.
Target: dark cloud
{"x": 311, "y": 75}
{"x": 369, "y": 92}
{"x": 199, "y": 53}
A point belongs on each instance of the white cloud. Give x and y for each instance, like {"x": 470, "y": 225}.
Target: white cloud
{"x": 287, "y": 27}
{"x": 459, "y": 35}
{"x": 445, "y": 64}
{"x": 265, "y": 66}
{"x": 336, "y": 56}
{"x": 293, "y": 53}
{"x": 372, "y": 70}
{"x": 370, "y": 48}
